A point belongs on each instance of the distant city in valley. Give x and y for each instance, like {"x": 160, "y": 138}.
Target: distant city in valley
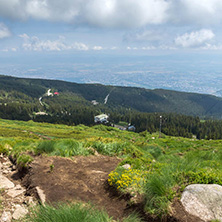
{"x": 200, "y": 76}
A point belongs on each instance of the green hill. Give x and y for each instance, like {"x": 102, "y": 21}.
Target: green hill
{"x": 144, "y": 100}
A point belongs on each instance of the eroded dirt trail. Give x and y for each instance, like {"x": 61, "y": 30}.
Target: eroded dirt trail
{"x": 82, "y": 178}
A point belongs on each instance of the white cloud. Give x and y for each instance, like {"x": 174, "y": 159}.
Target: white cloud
{"x": 194, "y": 39}
{"x": 116, "y": 13}
{"x": 9, "y": 50}
{"x": 114, "y": 48}
{"x": 99, "y": 13}
{"x": 80, "y": 46}
{"x": 208, "y": 46}
{"x": 195, "y": 11}
{"x": 35, "y": 44}
{"x": 4, "y": 31}
{"x": 97, "y": 48}
{"x": 148, "y": 48}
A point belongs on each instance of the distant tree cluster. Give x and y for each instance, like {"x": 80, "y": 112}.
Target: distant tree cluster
{"x": 171, "y": 124}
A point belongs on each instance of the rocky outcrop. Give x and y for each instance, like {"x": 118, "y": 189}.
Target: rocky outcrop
{"x": 203, "y": 201}
{"x": 14, "y": 202}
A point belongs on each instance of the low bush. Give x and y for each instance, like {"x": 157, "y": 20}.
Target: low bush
{"x": 62, "y": 147}
{"x": 3, "y": 149}
{"x": 23, "y": 160}
{"x": 159, "y": 193}
{"x": 123, "y": 179}
{"x": 110, "y": 149}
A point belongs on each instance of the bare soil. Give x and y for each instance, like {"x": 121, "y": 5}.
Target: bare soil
{"x": 85, "y": 179}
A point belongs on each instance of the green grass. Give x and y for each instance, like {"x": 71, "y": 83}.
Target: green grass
{"x": 167, "y": 165}
{"x": 74, "y": 212}
{"x": 67, "y": 213}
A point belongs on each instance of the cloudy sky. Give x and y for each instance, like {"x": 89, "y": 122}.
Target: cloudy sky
{"x": 110, "y": 25}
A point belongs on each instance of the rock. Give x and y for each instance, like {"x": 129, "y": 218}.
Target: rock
{"x": 203, "y": 201}
{"x": 126, "y": 166}
{"x": 6, "y": 217}
{"x": 41, "y": 195}
{"x": 6, "y": 163}
{"x": 16, "y": 191}
{"x": 5, "y": 183}
{"x": 29, "y": 201}
{"x": 13, "y": 167}
{"x": 19, "y": 212}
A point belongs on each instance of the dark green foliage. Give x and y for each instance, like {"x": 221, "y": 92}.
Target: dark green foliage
{"x": 62, "y": 147}
{"x": 3, "y": 149}
{"x": 45, "y": 147}
{"x": 110, "y": 149}
{"x": 19, "y": 100}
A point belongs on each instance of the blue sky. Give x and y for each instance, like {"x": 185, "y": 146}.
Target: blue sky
{"x": 44, "y": 33}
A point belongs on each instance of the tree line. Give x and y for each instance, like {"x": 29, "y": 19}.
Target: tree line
{"x": 171, "y": 124}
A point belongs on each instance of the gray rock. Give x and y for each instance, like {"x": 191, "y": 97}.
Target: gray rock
{"x": 126, "y": 166}
{"x": 5, "y": 183}
{"x": 29, "y": 201}
{"x": 19, "y": 212}
{"x": 41, "y": 195}
{"x": 16, "y": 191}
{"x": 6, "y": 217}
{"x": 203, "y": 201}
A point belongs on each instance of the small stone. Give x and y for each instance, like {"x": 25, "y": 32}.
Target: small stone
{"x": 41, "y": 195}
{"x": 6, "y": 217}
{"x": 16, "y": 191}
{"x": 6, "y": 163}
{"x": 5, "y": 183}
{"x": 30, "y": 201}
{"x": 126, "y": 166}
{"x": 13, "y": 167}
{"x": 19, "y": 212}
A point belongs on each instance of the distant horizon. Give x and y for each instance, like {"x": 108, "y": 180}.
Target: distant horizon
{"x": 169, "y": 44}
{"x": 113, "y": 85}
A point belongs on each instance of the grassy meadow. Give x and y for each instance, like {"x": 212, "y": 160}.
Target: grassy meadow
{"x": 160, "y": 167}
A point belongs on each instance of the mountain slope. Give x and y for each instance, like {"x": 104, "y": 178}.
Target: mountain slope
{"x": 140, "y": 99}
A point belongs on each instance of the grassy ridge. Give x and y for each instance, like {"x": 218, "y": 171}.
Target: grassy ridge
{"x": 160, "y": 167}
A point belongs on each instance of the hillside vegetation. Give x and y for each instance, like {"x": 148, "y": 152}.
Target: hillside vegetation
{"x": 26, "y": 91}
{"x": 34, "y": 99}
{"x": 160, "y": 168}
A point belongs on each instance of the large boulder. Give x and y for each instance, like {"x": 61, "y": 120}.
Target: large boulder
{"x": 203, "y": 201}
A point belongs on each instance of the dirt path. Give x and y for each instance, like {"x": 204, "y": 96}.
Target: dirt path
{"x": 83, "y": 178}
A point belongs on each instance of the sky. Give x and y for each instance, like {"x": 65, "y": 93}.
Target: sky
{"x": 95, "y": 25}
{"x": 37, "y": 30}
